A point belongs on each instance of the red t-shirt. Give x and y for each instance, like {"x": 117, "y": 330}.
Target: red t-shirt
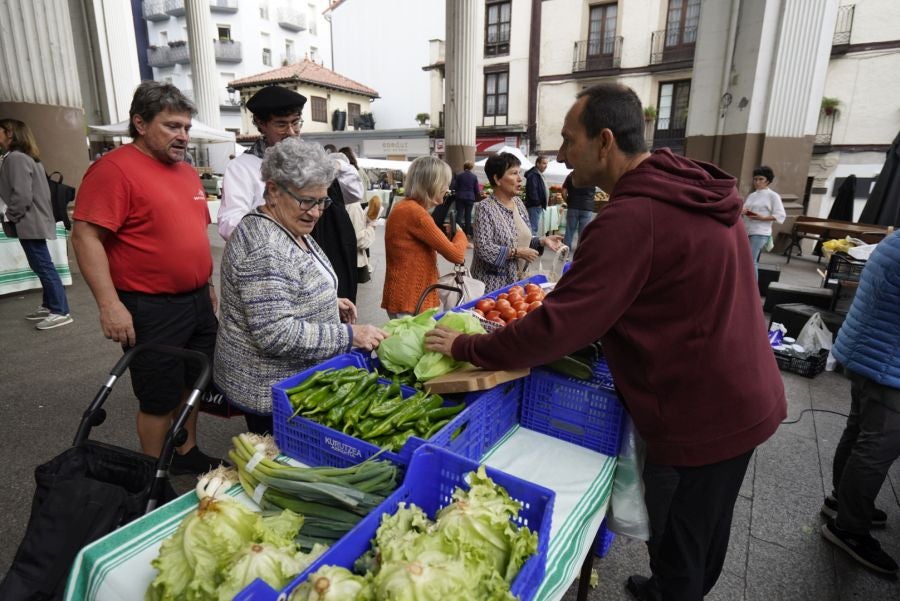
{"x": 158, "y": 216}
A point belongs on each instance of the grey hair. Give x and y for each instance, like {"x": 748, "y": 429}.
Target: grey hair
{"x": 153, "y": 97}
{"x": 427, "y": 178}
{"x": 296, "y": 162}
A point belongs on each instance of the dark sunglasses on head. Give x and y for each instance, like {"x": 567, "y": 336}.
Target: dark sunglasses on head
{"x": 308, "y": 202}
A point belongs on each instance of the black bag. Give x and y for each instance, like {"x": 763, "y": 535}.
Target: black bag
{"x": 9, "y": 229}
{"x": 60, "y": 197}
{"x": 213, "y": 402}
{"x": 82, "y": 494}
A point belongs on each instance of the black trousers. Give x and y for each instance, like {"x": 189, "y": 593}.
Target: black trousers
{"x": 690, "y": 510}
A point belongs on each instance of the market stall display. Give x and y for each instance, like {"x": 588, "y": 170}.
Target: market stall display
{"x": 15, "y": 275}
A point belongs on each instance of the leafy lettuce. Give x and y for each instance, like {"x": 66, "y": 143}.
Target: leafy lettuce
{"x": 402, "y": 350}
{"x": 434, "y": 364}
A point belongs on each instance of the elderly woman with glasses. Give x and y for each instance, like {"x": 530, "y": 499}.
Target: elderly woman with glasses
{"x": 412, "y": 240}
{"x": 280, "y": 312}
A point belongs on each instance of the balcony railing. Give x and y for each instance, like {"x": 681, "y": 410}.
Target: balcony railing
{"x": 159, "y": 57}
{"x": 844, "y": 25}
{"x": 290, "y": 19}
{"x": 227, "y": 51}
{"x": 674, "y": 45}
{"x": 154, "y": 10}
{"x": 597, "y": 54}
{"x": 825, "y": 128}
{"x": 175, "y": 8}
{"x": 223, "y": 6}
{"x": 179, "y": 53}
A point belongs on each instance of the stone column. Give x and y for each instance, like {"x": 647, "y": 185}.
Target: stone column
{"x": 460, "y": 104}
{"x": 204, "y": 78}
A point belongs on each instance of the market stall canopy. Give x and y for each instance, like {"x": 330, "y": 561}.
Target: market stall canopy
{"x": 200, "y": 132}
{"x": 383, "y": 164}
{"x": 556, "y": 173}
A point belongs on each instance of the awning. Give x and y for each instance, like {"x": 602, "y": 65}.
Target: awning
{"x": 383, "y": 164}
{"x": 200, "y": 132}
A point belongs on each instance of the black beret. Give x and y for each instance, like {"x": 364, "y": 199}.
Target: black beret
{"x": 274, "y": 98}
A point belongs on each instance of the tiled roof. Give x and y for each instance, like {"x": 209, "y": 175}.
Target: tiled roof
{"x": 306, "y": 71}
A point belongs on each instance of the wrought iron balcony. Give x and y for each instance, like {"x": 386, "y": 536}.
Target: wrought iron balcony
{"x": 290, "y": 19}
{"x": 179, "y": 53}
{"x": 844, "y": 25}
{"x": 824, "y": 129}
{"x": 672, "y": 45}
{"x": 154, "y": 10}
{"x": 223, "y": 6}
{"x": 175, "y": 8}
{"x": 227, "y": 51}
{"x": 597, "y": 54}
{"x": 159, "y": 56}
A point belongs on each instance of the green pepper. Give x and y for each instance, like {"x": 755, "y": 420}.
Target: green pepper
{"x": 336, "y": 397}
{"x": 358, "y": 409}
{"x": 396, "y": 441}
{"x": 311, "y": 401}
{"x": 436, "y": 428}
{"x": 308, "y": 382}
{"x": 336, "y": 413}
{"x": 391, "y": 402}
{"x": 410, "y": 408}
{"x": 425, "y": 405}
{"x": 445, "y": 411}
{"x": 365, "y": 426}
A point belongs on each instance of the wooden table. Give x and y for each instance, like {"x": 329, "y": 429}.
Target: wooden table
{"x": 814, "y": 228}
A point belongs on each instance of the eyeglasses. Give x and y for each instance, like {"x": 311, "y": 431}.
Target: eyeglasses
{"x": 307, "y": 203}
{"x": 283, "y": 126}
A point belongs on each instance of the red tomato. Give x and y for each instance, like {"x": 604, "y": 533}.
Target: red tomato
{"x": 534, "y": 296}
{"x": 502, "y": 296}
{"x": 511, "y": 319}
{"x": 492, "y": 315}
{"x": 520, "y": 306}
{"x": 485, "y": 305}
{"x": 534, "y": 306}
{"x": 502, "y": 305}
{"x": 531, "y": 287}
{"x": 514, "y": 297}
{"x": 517, "y": 290}
{"x": 521, "y": 314}
{"x": 508, "y": 314}
{"x": 478, "y": 312}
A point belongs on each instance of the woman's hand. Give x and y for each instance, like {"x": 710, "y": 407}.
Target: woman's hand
{"x": 440, "y": 339}
{"x": 367, "y": 337}
{"x": 554, "y": 242}
{"x": 526, "y": 254}
{"x": 347, "y": 310}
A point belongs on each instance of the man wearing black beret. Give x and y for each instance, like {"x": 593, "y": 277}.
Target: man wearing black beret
{"x": 277, "y": 115}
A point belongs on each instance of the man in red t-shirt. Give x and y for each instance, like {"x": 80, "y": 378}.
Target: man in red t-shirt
{"x": 141, "y": 243}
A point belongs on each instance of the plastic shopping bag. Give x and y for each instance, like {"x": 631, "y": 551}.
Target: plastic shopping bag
{"x": 627, "y": 510}
{"x": 815, "y": 335}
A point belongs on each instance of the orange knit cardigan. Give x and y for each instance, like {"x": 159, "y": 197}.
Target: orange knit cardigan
{"x": 411, "y": 242}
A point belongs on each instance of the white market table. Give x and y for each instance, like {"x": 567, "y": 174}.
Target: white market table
{"x": 15, "y": 275}
{"x": 118, "y": 566}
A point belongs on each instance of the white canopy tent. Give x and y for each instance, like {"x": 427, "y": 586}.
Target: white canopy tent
{"x": 383, "y": 164}
{"x": 555, "y": 174}
{"x": 200, "y": 132}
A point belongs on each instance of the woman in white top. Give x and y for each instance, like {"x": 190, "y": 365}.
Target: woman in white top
{"x": 761, "y": 208}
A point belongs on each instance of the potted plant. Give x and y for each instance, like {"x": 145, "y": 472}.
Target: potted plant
{"x": 423, "y": 118}
{"x": 830, "y": 105}
{"x": 649, "y": 113}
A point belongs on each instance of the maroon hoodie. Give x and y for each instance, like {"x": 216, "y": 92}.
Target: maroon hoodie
{"x": 664, "y": 279}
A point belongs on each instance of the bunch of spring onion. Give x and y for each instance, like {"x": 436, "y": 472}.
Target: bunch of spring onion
{"x": 331, "y": 500}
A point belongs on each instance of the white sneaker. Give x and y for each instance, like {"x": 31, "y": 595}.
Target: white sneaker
{"x": 38, "y": 314}
{"x": 54, "y": 321}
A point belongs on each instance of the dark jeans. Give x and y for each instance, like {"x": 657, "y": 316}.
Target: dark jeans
{"x": 41, "y": 264}
{"x": 690, "y": 510}
{"x": 534, "y": 217}
{"x": 576, "y": 221}
{"x": 464, "y": 214}
{"x": 869, "y": 445}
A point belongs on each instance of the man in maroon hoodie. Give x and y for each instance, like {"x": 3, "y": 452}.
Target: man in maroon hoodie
{"x": 664, "y": 279}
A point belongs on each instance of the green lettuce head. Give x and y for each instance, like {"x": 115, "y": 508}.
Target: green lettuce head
{"x": 402, "y": 350}
{"x": 434, "y": 364}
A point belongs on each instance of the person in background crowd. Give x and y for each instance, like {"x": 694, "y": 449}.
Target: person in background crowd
{"x": 362, "y": 225}
{"x": 277, "y": 114}
{"x": 412, "y": 239}
{"x": 867, "y": 345}
{"x": 24, "y": 189}
{"x": 334, "y": 231}
{"x": 280, "y": 310}
{"x": 761, "y": 208}
{"x": 672, "y": 357}
{"x": 140, "y": 240}
{"x": 536, "y": 193}
{"x": 504, "y": 242}
{"x": 363, "y": 176}
{"x": 579, "y": 209}
{"x": 467, "y": 192}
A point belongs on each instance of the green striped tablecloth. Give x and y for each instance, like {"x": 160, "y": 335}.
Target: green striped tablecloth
{"x": 15, "y": 275}
{"x": 117, "y": 566}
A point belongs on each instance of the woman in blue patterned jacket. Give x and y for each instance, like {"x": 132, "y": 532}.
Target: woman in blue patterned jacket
{"x": 280, "y": 310}
{"x": 504, "y": 245}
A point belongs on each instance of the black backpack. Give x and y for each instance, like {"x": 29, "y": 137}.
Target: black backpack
{"x": 60, "y": 197}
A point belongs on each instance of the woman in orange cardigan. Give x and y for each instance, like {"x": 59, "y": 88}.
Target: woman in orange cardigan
{"x": 412, "y": 240}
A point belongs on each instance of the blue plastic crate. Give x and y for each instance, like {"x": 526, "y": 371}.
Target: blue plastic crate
{"x": 500, "y": 412}
{"x": 432, "y": 477}
{"x": 315, "y": 444}
{"x": 604, "y": 540}
{"x": 572, "y": 410}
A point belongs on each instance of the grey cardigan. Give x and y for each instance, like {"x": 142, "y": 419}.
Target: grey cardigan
{"x": 279, "y": 312}
{"x": 24, "y": 189}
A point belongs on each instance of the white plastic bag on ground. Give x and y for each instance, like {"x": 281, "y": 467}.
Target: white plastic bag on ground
{"x": 815, "y": 335}
{"x": 627, "y": 509}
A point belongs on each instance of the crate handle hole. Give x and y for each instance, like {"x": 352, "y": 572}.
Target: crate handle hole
{"x": 571, "y": 428}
